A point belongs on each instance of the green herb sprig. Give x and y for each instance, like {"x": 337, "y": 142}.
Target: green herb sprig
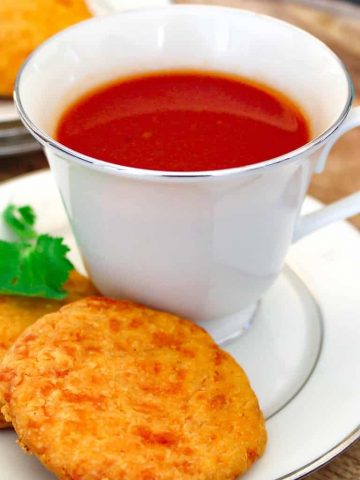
{"x": 35, "y": 265}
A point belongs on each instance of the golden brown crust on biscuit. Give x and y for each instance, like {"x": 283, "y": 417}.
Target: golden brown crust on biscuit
{"x": 112, "y": 390}
{"x": 17, "y": 313}
{"x": 24, "y": 24}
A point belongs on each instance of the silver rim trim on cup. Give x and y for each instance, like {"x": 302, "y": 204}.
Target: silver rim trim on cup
{"x": 77, "y": 157}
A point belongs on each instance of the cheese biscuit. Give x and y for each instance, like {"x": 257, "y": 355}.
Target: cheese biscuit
{"x": 106, "y": 389}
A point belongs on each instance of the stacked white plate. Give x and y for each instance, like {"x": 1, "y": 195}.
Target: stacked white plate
{"x": 14, "y": 138}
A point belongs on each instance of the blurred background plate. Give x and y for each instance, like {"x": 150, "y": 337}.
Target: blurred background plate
{"x": 14, "y": 138}
{"x": 8, "y": 111}
{"x": 17, "y": 145}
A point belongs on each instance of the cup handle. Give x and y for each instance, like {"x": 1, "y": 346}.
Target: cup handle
{"x": 347, "y": 206}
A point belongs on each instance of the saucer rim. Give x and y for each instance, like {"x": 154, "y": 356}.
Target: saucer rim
{"x": 324, "y": 459}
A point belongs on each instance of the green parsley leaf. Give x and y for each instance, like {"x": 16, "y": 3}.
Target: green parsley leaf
{"x": 9, "y": 261}
{"x": 35, "y": 266}
{"x": 21, "y": 221}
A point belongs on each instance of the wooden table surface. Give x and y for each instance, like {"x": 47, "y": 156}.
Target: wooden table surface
{"x": 341, "y": 31}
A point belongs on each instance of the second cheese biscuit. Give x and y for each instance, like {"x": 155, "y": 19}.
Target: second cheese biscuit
{"x": 17, "y": 313}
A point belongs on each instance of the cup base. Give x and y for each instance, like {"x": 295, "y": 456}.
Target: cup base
{"x": 228, "y": 328}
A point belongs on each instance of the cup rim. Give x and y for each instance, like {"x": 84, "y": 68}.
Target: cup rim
{"x": 79, "y": 158}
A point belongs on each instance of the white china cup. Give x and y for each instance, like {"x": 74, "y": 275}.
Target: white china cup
{"x": 201, "y": 244}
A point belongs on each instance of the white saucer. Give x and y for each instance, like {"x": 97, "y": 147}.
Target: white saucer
{"x": 301, "y": 353}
